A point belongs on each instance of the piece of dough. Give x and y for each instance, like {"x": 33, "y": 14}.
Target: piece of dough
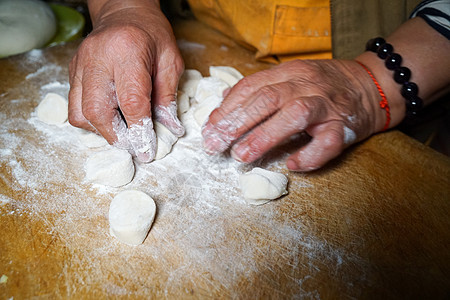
{"x": 189, "y": 81}
{"x": 113, "y": 167}
{"x": 205, "y": 108}
{"x": 228, "y": 74}
{"x": 131, "y": 214}
{"x": 165, "y": 140}
{"x": 25, "y": 25}
{"x": 209, "y": 86}
{"x": 183, "y": 103}
{"x": 91, "y": 140}
{"x": 260, "y": 186}
{"x": 53, "y": 109}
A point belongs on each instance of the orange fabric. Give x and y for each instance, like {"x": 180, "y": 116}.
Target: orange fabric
{"x": 278, "y": 30}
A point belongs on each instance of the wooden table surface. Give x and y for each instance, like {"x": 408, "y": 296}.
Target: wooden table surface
{"x": 372, "y": 224}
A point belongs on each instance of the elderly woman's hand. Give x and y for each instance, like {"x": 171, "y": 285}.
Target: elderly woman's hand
{"x": 334, "y": 101}
{"x": 127, "y": 66}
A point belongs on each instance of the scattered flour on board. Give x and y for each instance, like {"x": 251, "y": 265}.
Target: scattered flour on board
{"x": 196, "y": 194}
{"x": 4, "y": 199}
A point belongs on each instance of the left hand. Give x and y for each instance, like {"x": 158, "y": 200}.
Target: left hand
{"x": 334, "y": 101}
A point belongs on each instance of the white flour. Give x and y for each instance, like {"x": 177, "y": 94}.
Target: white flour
{"x": 202, "y": 229}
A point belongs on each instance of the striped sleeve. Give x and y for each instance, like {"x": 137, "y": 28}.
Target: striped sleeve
{"x": 436, "y": 13}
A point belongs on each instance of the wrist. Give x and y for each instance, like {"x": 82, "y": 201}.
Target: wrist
{"x": 391, "y": 89}
{"x": 103, "y": 9}
{"x": 369, "y": 97}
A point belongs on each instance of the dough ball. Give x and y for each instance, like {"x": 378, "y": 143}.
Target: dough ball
{"x": 260, "y": 186}
{"x": 189, "y": 81}
{"x": 131, "y": 215}
{"x": 209, "y": 86}
{"x": 53, "y": 109}
{"x": 25, "y": 25}
{"x": 91, "y": 140}
{"x": 205, "y": 108}
{"x": 165, "y": 140}
{"x": 183, "y": 103}
{"x": 113, "y": 167}
{"x": 228, "y": 74}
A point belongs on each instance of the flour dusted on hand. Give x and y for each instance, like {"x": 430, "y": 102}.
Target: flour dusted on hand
{"x": 131, "y": 214}
{"x": 260, "y": 186}
{"x": 113, "y": 167}
{"x": 53, "y": 109}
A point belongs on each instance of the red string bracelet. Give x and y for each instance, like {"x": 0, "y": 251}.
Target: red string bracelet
{"x": 383, "y": 103}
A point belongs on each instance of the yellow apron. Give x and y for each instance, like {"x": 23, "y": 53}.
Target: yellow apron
{"x": 278, "y": 30}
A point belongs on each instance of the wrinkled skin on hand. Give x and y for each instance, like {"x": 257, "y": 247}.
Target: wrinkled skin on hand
{"x": 130, "y": 62}
{"x": 333, "y": 101}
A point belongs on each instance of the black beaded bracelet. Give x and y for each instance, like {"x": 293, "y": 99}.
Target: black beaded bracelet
{"x": 402, "y": 75}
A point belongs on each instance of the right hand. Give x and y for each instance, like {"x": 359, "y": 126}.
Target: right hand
{"x": 334, "y": 101}
{"x": 130, "y": 62}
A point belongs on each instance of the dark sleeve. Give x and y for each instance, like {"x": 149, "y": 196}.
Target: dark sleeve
{"x": 436, "y": 13}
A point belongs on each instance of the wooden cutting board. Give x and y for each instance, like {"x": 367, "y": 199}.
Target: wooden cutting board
{"x": 371, "y": 224}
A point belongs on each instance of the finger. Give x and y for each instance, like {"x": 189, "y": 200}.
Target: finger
{"x": 295, "y": 116}
{"x": 235, "y": 122}
{"x": 168, "y": 73}
{"x": 76, "y": 117}
{"x": 99, "y": 102}
{"x": 327, "y": 143}
{"x": 134, "y": 87}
